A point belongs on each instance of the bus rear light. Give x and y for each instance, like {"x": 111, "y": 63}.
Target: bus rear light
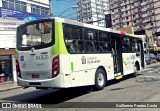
{"x": 55, "y": 66}
{"x": 18, "y": 69}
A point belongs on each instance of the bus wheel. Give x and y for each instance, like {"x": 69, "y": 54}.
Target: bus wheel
{"x": 135, "y": 71}
{"x": 100, "y": 79}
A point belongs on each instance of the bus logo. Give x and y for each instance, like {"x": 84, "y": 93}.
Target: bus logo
{"x": 83, "y": 60}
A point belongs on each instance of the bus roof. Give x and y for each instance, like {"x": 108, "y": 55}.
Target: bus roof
{"x": 57, "y": 19}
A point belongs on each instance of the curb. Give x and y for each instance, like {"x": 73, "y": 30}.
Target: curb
{"x": 11, "y": 88}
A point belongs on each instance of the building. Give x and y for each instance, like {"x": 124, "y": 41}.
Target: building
{"x": 93, "y": 11}
{"x": 141, "y": 14}
{"x": 12, "y": 14}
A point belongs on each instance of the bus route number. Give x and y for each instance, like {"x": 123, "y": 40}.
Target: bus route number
{"x": 42, "y": 57}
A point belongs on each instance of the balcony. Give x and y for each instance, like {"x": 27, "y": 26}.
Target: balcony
{"x": 137, "y": 4}
{"x": 132, "y": 1}
{"x": 138, "y": 22}
{"x": 135, "y": 11}
{"x": 136, "y": 17}
{"x": 149, "y": 13}
{"x": 147, "y": 2}
{"x": 147, "y": 8}
{"x": 148, "y": 20}
{"x": 149, "y": 26}
{"x": 113, "y": 6}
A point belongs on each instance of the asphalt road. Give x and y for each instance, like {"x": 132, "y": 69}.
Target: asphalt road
{"x": 144, "y": 88}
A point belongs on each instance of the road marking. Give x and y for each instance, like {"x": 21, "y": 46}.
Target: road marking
{"x": 150, "y": 76}
{"x": 147, "y": 69}
{"x": 156, "y": 69}
{"x": 150, "y": 71}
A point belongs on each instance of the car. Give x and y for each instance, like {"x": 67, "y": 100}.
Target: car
{"x": 158, "y": 57}
{"x": 150, "y": 58}
{"x": 147, "y": 60}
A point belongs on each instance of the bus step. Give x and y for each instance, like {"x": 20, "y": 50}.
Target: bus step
{"x": 119, "y": 77}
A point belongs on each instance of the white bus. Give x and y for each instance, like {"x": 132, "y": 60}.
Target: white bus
{"x": 60, "y": 53}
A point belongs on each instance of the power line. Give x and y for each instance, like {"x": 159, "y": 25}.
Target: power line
{"x": 69, "y": 15}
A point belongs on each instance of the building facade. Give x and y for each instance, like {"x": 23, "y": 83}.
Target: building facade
{"x": 12, "y": 14}
{"x": 92, "y": 11}
{"x": 141, "y": 14}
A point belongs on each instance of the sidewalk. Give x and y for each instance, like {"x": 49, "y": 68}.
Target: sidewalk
{"x": 8, "y": 86}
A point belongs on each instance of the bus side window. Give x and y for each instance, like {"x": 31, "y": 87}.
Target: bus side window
{"x": 89, "y": 47}
{"x": 80, "y": 46}
{"x": 73, "y": 38}
{"x": 104, "y": 42}
{"x": 91, "y": 41}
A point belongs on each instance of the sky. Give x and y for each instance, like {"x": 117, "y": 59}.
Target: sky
{"x": 63, "y": 8}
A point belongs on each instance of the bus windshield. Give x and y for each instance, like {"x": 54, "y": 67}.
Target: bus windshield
{"x": 34, "y": 34}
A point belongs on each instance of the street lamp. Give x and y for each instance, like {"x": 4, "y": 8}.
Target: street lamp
{"x": 73, "y": 7}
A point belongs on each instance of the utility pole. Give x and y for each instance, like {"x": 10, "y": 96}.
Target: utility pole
{"x": 50, "y": 7}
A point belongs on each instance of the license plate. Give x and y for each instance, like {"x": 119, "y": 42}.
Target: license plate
{"x": 35, "y": 76}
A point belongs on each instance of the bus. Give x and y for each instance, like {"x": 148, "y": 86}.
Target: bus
{"x": 61, "y": 53}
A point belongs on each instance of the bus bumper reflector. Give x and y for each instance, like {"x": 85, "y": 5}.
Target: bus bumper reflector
{"x": 118, "y": 77}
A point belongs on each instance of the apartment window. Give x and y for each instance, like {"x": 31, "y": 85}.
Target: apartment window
{"x": 39, "y": 10}
{"x": 14, "y": 4}
{"x": 11, "y": 4}
{"x": 125, "y": 1}
{"x": 17, "y": 5}
{"x": 33, "y": 9}
{"x": 5, "y": 3}
{"x": 23, "y": 6}
{"x": 127, "y": 18}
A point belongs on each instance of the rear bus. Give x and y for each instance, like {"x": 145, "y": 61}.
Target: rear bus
{"x": 38, "y": 55}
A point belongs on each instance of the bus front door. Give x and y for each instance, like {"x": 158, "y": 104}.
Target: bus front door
{"x": 117, "y": 56}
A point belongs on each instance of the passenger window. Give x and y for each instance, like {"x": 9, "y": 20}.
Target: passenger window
{"x": 104, "y": 41}
{"x": 126, "y": 44}
{"x": 91, "y": 41}
{"x": 73, "y": 39}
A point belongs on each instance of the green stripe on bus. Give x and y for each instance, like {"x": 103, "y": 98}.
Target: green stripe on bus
{"x": 72, "y": 66}
{"x": 124, "y": 62}
{"x": 59, "y": 47}
{"x": 16, "y": 54}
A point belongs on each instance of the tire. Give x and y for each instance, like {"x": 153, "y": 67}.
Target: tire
{"x": 100, "y": 79}
{"x": 135, "y": 71}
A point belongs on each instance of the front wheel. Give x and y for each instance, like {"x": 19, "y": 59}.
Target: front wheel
{"x": 100, "y": 79}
